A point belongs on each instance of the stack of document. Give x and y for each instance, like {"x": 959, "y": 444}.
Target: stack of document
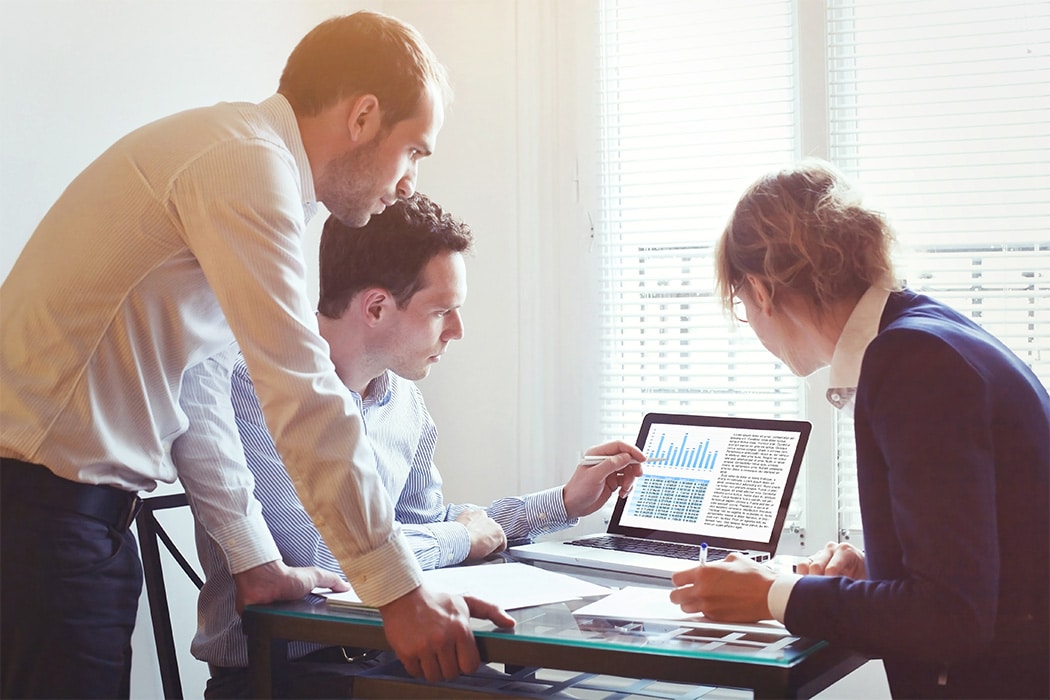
{"x": 510, "y": 586}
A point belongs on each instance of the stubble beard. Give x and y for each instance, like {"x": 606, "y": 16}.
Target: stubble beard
{"x": 349, "y": 185}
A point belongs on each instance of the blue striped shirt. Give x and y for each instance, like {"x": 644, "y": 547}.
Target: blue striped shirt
{"x": 403, "y": 437}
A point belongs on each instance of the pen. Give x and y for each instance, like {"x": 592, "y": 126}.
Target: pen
{"x": 703, "y": 553}
{"x": 591, "y": 460}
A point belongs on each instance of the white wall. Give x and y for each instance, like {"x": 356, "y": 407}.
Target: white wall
{"x": 502, "y": 396}
{"x": 510, "y": 397}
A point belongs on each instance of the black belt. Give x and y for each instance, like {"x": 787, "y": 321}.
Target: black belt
{"x": 27, "y": 482}
{"x": 329, "y": 655}
{"x": 343, "y": 655}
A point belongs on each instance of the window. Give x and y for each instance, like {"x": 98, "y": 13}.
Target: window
{"x": 940, "y": 110}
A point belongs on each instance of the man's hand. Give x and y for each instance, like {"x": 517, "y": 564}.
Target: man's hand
{"x": 430, "y": 632}
{"x": 591, "y": 486}
{"x": 732, "y": 590}
{"x": 275, "y": 581}
{"x": 486, "y": 535}
{"x": 836, "y": 559}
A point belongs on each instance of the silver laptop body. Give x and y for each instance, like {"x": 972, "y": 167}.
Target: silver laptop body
{"x": 721, "y": 481}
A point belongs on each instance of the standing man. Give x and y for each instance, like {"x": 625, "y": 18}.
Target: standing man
{"x": 389, "y": 306}
{"x": 121, "y": 320}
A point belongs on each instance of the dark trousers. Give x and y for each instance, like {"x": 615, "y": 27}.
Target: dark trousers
{"x": 69, "y": 588}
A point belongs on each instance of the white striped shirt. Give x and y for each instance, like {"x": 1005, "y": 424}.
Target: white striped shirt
{"x": 403, "y": 437}
{"x": 119, "y": 319}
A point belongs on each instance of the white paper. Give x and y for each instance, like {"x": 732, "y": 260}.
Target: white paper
{"x": 637, "y": 603}
{"x": 510, "y": 586}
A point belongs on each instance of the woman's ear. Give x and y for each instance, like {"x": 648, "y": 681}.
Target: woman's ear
{"x": 761, "y": 294}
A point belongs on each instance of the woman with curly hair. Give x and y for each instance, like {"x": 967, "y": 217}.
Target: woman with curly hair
{"x": 953, "y": 452}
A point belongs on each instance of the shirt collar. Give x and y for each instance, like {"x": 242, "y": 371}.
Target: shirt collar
{"x": 860, "y": 329}
{"x": 281, "y": 117}
{"x": 378, "y": 390}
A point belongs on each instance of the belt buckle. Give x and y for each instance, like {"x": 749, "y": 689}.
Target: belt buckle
{"x": 354, "y": 656}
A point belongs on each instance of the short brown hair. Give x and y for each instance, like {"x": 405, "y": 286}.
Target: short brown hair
{"x": 358, "y": 54}
{"x": 389, "y": 252}
{"x": 804, "y": 229}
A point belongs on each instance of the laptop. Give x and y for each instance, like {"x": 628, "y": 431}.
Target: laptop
{"x": 720, "y": 481}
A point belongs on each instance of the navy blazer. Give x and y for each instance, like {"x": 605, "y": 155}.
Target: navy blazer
{"x": 953, "y": 468}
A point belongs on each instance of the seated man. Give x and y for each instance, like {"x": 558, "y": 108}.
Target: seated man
{"x": 389, "y": 306}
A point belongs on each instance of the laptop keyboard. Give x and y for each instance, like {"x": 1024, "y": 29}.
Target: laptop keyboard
{"x": 675, "y": 550}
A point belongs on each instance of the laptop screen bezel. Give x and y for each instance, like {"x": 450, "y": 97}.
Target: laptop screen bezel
{"x": 800, "y": 427}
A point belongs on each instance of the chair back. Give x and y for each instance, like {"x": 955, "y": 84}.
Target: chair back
{"x": 151, "y": 535}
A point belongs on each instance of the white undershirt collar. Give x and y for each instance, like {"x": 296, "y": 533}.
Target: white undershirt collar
{"x": 860, "y": 329}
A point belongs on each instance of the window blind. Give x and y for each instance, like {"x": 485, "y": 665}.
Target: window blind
{"x": 695, "y": 100}
{"x": 941, "y": 110}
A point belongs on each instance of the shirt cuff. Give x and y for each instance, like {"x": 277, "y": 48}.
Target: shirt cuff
{"x": 453, "y": 542}
{"x": 545, "y": 512}
{"x": 780, "y": 593}
{"x": 247, "y": 543}
{"x": 386, "y": 573}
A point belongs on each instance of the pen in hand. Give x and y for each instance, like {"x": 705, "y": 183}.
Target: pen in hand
{"x": 591, "y": 460}
{"x": 703, "y": 553}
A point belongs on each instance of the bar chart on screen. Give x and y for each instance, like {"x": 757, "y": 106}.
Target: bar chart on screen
{"x": 676, "y": 449}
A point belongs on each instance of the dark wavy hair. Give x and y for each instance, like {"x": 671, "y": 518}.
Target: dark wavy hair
{"x": 804, "y": 229}
{"x": 389, "y": 252}
{"x": 359, "y": 54}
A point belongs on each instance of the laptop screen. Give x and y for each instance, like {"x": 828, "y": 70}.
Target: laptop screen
{"x": 724, "y": 481}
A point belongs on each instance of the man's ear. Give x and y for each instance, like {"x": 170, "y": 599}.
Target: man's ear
{"x": 375, "y": 303}
{"x": 363, "y": 118}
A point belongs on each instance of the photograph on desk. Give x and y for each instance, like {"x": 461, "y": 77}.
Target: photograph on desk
{"x": 647, "y": 603}
{"x": 646, "y": 615}
{"x": 743, "y": 642}
{"x": 723, "y": 482}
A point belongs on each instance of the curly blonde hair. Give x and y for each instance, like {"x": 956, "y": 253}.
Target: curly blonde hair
{"x": 803, "y": 229}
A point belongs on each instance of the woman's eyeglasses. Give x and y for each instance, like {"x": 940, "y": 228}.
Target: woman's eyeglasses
{"x": 739, "y": 310}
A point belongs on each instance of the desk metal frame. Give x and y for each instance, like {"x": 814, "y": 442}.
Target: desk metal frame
{"x": 269, "y": 628}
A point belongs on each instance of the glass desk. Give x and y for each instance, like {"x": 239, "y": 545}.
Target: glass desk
{"x": 551, "y": 637}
